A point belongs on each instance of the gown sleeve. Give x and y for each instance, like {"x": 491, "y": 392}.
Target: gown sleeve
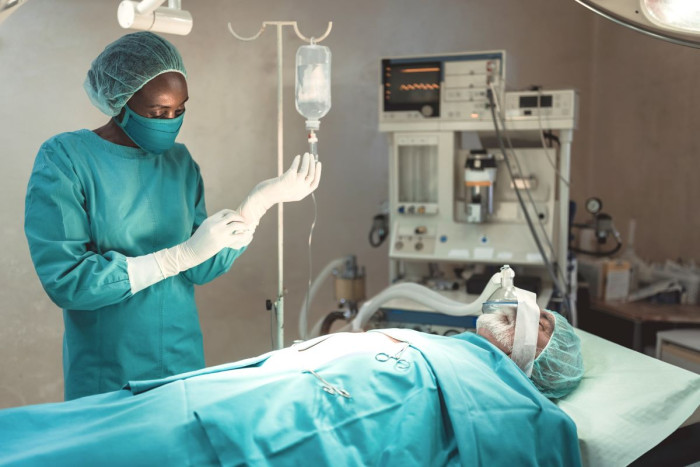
{"x": 57, "y": 227}
{"x": 221, "y": 262}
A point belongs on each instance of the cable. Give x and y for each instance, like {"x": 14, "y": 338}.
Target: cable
{"x": 328, "y": 321}
{"x": 539, "y": 123}
{"x": 597, "y": 253}
{"x": 492, "y": 95}
{"x": 548, "y": 265}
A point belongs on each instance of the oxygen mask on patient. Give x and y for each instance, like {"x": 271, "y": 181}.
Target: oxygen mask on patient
{"x": 512, "y": 315}
{"x": 503, "y": 300}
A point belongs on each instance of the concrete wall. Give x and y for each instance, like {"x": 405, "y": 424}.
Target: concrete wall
{"x": 46, "y": 48}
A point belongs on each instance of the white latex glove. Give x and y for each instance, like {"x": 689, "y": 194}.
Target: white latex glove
{"x": 225, "y": 229}
{"x": 300, "y": 180}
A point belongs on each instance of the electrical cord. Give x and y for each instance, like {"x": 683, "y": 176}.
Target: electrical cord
{"x": 548, "y": 265}
{"x": 597, "y": 253}
{"x": 493, "y": 99}
{"x": 539, "y": 123}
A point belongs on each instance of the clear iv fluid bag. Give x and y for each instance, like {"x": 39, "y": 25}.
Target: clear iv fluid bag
{"x": 313, "y": 81}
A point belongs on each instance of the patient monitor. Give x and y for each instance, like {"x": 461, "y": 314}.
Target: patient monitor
{"x": 478, "y": 174}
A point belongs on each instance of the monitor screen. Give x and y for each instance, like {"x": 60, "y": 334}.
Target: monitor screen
{"x": 411, "y": 86}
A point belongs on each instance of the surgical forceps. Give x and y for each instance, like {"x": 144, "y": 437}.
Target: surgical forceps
{"x": 329, "y": 388}
{"x": 400, "y": 363}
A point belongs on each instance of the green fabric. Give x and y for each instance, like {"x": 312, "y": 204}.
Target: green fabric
{"x": 90, "y": 204}
{"x": 460, "y": 401}
{"x": 126, "y": 65}
{"x": 559, "y": 368}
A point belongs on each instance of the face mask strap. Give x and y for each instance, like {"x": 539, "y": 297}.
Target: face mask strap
{"x": 526, "y": 330}
{"x": 125, "y": 117}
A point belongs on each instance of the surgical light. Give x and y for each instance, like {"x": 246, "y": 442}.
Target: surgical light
{"x": 675, "y": 21}
{"x": 149, "y": 15}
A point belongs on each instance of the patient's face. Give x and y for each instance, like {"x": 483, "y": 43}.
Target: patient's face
{"x": 499, "y": 329}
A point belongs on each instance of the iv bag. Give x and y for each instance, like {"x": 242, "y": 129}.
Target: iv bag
{"x": 313, "y": 81}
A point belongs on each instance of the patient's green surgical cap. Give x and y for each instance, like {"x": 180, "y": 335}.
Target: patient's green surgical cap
{"x": 559, "y": 367}
{"x": 126, "y": 65}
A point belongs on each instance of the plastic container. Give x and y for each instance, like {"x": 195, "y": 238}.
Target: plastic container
{"x": 504, "y": 297}
{"x": 313, "y": 83}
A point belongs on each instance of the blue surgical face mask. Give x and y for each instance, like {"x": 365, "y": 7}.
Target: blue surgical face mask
{"x": 155, "y": 135}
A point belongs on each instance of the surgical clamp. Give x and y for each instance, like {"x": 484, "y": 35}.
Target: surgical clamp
{"x": 329, "y": 388}
{"x": 401, "y": 364}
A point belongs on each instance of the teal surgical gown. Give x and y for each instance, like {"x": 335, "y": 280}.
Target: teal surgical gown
{"x": 90, "y": 204}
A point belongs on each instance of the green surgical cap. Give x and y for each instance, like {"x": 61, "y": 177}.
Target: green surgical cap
{"x": 559, "y": 367}
{"x": 126, "y": 65}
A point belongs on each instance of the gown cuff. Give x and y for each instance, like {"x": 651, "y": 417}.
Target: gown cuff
{"x": 143, "y": 271}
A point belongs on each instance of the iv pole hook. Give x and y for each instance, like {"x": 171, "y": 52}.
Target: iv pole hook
{"x": 282, "y": 23}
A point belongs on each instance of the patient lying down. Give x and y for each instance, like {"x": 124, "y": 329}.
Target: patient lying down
{"x": 383, "y": 397}
{"x": 558, "y": 365}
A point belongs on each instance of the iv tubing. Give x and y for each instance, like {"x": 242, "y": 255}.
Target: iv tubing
{"x": 322, "y": 276}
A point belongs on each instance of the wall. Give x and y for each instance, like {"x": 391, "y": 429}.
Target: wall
{"x": 645, "y": 151}
{"x": 46, "y": 48}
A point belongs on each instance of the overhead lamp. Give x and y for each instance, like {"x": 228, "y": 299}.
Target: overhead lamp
{"x": 149, "y": 15}
{"x": 7, "y": 7}
{"x": 676, "y": 21}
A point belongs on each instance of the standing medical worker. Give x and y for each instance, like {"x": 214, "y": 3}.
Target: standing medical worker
{"x": 118, "y": 229}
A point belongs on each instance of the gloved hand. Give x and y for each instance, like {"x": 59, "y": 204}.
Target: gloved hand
{"x": 295, "y": 184}
{"x": 224, "y": 229}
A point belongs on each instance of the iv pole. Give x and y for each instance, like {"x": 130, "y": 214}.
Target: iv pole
{"x": 279, "y": 303}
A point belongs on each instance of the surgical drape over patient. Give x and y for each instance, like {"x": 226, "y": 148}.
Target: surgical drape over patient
{"x": 559, "y": 367}
{"x": 443, "y": 401}
{"x": 126, "y": 65}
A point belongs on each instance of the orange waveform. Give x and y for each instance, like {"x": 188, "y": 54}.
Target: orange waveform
{"x": 419, "y": 70}
{"x": 419, "y": 87}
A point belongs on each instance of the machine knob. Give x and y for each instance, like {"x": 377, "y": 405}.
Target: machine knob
{"x": 427, "y": 110}
{"x": 421, "y": 230}
{"x": 411, "y": 209}
{"x": 401, "y": 209}
{"x": 419, "y": 246}
{"x": 398, "y": 245}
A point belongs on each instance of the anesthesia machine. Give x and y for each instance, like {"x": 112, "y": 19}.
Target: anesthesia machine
{"x": 478, "y": 177}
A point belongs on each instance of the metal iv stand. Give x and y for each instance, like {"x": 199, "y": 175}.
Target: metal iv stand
{"x": 279, "y": 303}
